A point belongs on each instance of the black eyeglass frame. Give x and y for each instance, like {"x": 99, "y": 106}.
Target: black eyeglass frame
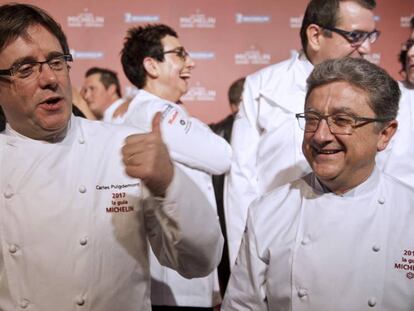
{"x": 326, "y": 117}
{"x": 179, "y": 51}
{"x": 12, "y": 70}
{"x": 355, "y": 37}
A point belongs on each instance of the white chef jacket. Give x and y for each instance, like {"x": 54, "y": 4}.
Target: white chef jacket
{"x": 200, "y": 153}
{"x": 397, "y": 158}
{"x": 266, "y": 140}
{"x": 75, "y": 228}
{"x": 305, "y": 250}
{"x": 108, "y": 115}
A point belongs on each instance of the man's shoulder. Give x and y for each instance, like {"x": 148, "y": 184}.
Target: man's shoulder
{"x": 104, "y": 130}
{"x": 278, "y": 200}
{"x": 396, "y": 187}
{"x": 274, "y": 70}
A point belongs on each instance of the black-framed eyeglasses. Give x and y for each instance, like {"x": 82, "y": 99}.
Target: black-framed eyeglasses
{"x": 356, "y": 37}
{"x": 340, "y": 123}
{"x": 32, "y": 69}
{"x": 180, "y": 52}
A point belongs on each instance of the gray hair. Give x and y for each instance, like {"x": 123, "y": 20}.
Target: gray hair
{"x": 382, "y": 90}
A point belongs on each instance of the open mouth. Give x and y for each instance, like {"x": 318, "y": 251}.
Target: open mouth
{"x": 51, "y": 103}
{"x": 185, "y": 75}
{"x": 326, "y": 151}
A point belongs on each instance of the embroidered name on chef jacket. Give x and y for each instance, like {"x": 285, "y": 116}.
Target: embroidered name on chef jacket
{"x": 119, "y": 201}
{"x": 407, "y": 263}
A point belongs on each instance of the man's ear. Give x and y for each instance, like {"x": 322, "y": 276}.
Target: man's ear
{"x": 151, "y": 67}
{"x": 112, "y": 89}
{"x": 386, "y": 134}
{"x": 315, "y": 35}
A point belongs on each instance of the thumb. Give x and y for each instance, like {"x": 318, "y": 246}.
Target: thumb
{"x": 156, "y": 124}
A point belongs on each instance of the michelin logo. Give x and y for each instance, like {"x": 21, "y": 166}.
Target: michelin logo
{"x": 199, "y": 93}
{"x": 252, "y": 57}
{"x": 202, "y": 55}
{"x": 197, "y": 20}
{"x": 87, "y": 54}
{"x": 252, "y": 19}
{"x": 130, "y": 18}
{"x": 295, "y": 21}
{"x": 85, "y": 19}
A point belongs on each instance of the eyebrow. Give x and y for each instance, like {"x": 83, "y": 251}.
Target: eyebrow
{"x": 31, "y": 59}
{"x": 335, "y": 111}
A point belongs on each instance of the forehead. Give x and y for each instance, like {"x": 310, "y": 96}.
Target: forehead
{"x": 352, "y": 16}
{"x": 338, "y": 96}
{"x": 37, "y": 44}
{"x": 170, "y": 42}
{"x": 94, "y": 79}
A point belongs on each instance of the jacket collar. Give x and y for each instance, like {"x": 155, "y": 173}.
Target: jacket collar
{"x": 288, "y": 87}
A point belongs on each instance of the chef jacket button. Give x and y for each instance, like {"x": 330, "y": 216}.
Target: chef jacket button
{"x": 83, "y": 241}
{"x": 376, "y": 248}
{"x": 13, "y": 248}
{"x": 372, "y": 302}
{"x": 305, "y": 240}
{"x": 302, "y": 293}
{"x": 82, "y": 189}
{"x": 81, "y": 140}
{"x": 381, "y": 201}
{"x": 80, "y": 301}
{"x": 24, "y": 303}
{"x": 8, "y": 193}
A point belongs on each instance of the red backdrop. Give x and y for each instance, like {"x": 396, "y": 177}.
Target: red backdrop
{"x": 227, "y": 38}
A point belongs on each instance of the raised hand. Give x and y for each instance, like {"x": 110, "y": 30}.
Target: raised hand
{"x": 146, "y": 157}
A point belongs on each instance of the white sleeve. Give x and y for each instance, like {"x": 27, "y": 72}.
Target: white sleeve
{"x": 241, "y": 186}
{"x": 193, "y": 143}
{"x": 246, "y": 289}
{"x": 189, "y": 141}
{"x": 183, "y": 228}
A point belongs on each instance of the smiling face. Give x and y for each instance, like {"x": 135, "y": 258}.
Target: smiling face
{"x": 342, "y": 162}
{"x": 352, "y": 16}
{"x": 38, "y": 108}
{"x": 170, "y": 78}
{"x": 97, "y": 96}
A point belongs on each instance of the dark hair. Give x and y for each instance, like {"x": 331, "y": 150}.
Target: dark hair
{"x": 16, "y": 18}
{"x": 402, "y": 57}
{"x": 142, "y": 42}
{"x": 325, "y": 13}
{"x": 382, "y": 90}
{"x": 412, "y": 22}
{"x": 235, "y": 91}
{"x": 107, "y": 77}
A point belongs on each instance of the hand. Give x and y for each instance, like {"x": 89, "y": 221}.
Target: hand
{"x": 146, "y": 157}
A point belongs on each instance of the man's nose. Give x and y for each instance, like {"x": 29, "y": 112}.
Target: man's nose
{"x": 365, "y": 47}
{"x": 323, "y": 132}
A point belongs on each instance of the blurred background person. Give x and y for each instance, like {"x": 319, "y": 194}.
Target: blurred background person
{"x": 396, "y": 160}
{"x": 80, "y": 107}
{"x": 102, "y": 92}
{"x": 155, "y": 61}
{"x": 224, "y": 128}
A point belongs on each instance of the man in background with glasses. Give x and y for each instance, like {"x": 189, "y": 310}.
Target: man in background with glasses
{"x": 155, "y": 61}
{"x": 81, "y": 199}
{"x": 266, "y": 138}
{"x": 397, "y": 159}
{"x": 340, "y": 238}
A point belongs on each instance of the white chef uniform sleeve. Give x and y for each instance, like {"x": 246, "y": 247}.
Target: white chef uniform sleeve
{"x": 241, "y": 186}
{"x": 246, "y": 288}
{"x": 183, "y": 228}
{"x": 193, "y": 143}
